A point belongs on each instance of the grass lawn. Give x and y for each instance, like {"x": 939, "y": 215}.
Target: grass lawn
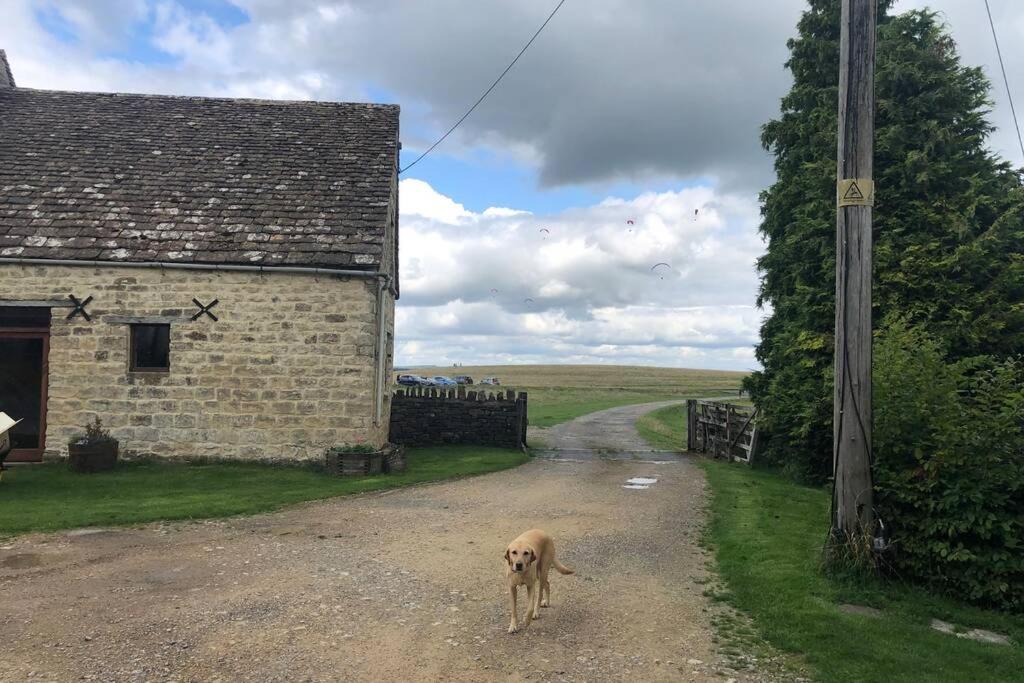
{"x": 559, "y": 393}
{"x": 50, "y": 497}
{"x": 767, "y": 533}
{"x": 664, "y": 428}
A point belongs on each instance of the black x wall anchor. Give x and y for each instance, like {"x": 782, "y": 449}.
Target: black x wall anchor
{"x": 205, "y": 309}
{"x": 79, "y": 307}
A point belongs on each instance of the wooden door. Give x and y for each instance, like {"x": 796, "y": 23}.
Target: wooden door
{"x": 23, "y": 381}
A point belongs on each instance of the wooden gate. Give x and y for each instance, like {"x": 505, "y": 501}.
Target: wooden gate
{"x": 722, "y": 429}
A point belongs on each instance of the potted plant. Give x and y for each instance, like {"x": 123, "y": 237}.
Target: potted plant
{"x": 394, "y": 458}
{"x": 94, "y": 452}
{"x": 354, "y": 460}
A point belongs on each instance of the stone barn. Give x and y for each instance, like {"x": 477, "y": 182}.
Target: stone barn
{"x": 209, "y": 277}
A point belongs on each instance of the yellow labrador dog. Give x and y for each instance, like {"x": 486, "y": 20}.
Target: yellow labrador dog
{"x": 529, "y": 558}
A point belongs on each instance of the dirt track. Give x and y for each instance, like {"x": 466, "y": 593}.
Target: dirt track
{"x": 611, "y": 430}
{"x": 402, "y": 585}
{"x": 605, "y": 430}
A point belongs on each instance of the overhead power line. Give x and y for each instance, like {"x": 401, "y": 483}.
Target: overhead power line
{"x": 488, "y": 91}
{"x": 1006, "y": 81}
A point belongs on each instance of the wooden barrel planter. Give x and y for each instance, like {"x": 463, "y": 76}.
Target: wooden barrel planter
{"x": 360, "y": 462}
{"x": 354, "y": 463}
{"x": 97, "y": 456}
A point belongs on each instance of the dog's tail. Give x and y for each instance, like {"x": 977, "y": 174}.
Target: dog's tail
{"x": 562, "y": 569}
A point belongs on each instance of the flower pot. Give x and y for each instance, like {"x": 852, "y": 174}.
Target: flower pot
{"x": 394, "y": 458}
{"x": 92, "y": 457}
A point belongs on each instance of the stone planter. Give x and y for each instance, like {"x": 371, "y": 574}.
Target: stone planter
{"x": 92, "y": 457}
{"x": 354, "y": 463}
{"x": 394, "y": 458}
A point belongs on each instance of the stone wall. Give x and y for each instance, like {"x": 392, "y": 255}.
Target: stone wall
{"x": 286, "y": 371}
{"x": 426, "y": 416}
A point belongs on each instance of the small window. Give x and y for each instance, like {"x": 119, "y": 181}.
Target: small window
{"x": 150, "y": 349}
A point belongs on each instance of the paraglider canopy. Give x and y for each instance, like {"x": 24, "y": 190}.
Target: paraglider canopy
{"x": 661, "y": 269}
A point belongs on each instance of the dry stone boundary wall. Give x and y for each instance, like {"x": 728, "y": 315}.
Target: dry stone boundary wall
{"x": 428, "y": 416}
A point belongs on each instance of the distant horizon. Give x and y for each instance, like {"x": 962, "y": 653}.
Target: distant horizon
{"x": 415, "y": 366}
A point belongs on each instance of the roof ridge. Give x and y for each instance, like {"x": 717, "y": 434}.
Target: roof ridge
{"x": 206, "y": 98}
{"x": 6, "y": 75}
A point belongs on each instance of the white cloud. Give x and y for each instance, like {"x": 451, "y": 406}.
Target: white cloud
{"x": 420, "y": 199}
{"x": 492, "y": 286}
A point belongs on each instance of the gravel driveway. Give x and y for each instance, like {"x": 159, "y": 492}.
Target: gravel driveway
{"x": 404, "y": 585}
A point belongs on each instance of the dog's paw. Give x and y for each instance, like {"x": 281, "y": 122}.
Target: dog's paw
{"x": 544, "y": 603}
{"x": 514, "y": 628}
{"x": 536, "y": 615}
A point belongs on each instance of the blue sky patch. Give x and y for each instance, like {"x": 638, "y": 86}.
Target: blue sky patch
{"x": 139, "y": 44}
{"x": 481, "y": 179}
{"x": 54, "y": 23}
{"x": 228, "y": 15}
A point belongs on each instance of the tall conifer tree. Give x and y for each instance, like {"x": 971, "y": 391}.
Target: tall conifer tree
{"x": 948, "y": 230}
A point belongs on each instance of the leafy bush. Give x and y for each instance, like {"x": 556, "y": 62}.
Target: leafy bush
{"x": 353, "y": 448}
{"x": 949, "y": 466}
{"x": 94, "y": 434}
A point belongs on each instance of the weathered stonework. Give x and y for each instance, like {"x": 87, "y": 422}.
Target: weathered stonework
{"x": 424, "y": 417}
{"x": 287, "y": 371}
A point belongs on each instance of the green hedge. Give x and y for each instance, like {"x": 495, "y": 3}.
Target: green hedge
{"x": 949, "y": 467}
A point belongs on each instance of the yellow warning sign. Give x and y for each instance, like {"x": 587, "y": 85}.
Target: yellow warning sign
{"x": 855, "y": 192}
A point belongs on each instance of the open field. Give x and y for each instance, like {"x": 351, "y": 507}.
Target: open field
{"x": 51, "y": 497}
{"x": 559, "y": 393}
{"x": 767, "y": 533}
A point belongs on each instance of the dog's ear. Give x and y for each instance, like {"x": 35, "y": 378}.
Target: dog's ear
{"x": 533, "y": 555}
{"x": 507, "y": 559}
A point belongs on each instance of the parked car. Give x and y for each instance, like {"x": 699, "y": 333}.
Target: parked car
{"x": 463, "y": 379}
{"x": 493, "y": 381}
{"x": 427, "y": 382}
{"x": 408, "y": 380}
{"x": 443, "y": 381}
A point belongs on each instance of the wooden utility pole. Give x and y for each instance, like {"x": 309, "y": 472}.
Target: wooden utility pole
{"x": 852, "y": 511}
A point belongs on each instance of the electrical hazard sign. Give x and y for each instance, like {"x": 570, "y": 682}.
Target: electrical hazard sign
{"x": 856, "y": 192}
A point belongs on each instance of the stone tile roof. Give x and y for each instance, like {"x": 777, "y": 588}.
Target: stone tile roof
{"x": 195, "y": 180}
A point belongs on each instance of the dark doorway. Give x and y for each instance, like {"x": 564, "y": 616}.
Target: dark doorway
{"x": 24, "y": 347}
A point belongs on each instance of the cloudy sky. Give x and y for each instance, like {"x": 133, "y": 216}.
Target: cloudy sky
{"x": 626, "y": 137}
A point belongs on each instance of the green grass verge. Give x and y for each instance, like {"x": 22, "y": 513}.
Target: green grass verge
{"x": 664, "y": 428}
{"x": 50, "y": 497}
{"x": 767, "y": 534}
{"x": 549, "y": 407}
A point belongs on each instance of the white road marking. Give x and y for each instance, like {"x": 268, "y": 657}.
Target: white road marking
{"x": 635, "y": 486}
{"x": 641, "y": 480}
